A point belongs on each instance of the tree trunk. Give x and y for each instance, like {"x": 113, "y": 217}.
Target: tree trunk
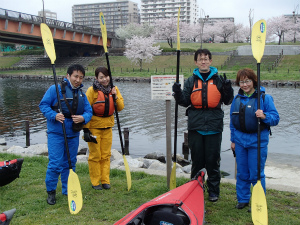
{"x": 141, "y": 64}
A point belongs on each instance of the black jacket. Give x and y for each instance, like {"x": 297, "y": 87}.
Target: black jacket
{"x": 207, "y": 120}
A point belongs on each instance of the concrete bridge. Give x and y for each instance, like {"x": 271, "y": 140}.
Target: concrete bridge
{"x": 69, "y": 39}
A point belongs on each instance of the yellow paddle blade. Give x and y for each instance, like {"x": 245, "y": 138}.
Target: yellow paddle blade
{"x": 178, "y": 37}
{"x": 259, "y": 210}
{"x": 258, "y": 39}
{"x": 74, "y": 193}
{"x": 48, "y": 42}
{"x": 103, "y": 31}
{"x": 128, "y": 175}
{"x": 173, "y": 177}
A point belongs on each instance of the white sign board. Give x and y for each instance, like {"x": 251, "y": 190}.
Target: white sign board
{"x": 161, "y": 86}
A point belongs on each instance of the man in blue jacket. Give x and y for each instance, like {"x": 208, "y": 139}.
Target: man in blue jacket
{"x": 76, "y": 111}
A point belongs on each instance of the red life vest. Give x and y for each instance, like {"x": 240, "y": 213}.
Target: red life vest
{"x": 205, "y": 94}
{"x": 104, "y": 105}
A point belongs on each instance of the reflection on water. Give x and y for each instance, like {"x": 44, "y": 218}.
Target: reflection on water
{"x": 144, "y": 117}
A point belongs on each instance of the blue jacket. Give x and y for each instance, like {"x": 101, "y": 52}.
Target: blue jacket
{"x": 268, "y": 107}
{"x": 50, "y": 99}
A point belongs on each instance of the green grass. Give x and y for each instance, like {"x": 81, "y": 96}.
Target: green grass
{"x": 288, "y": 68}
{"x": 28, "y": 195}
{"x": 213, "y": 47}
{"x": 8, "y": 61}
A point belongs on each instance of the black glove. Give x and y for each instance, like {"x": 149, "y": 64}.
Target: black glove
{"x": 88, "y": 137}
{"x": 233, "y": 152}
{"x": 226, "y": 83}
{"x": 176, "y": 88}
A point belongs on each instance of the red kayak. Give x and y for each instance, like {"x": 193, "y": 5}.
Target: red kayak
{"x": 183, "y": 205}
{"x": 6, "y": 216}
{"x": 10, "y": 170}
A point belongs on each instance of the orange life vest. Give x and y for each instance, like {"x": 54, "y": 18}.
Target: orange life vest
{"x": 205, "y": 94}
{"x": 104, "y": 105}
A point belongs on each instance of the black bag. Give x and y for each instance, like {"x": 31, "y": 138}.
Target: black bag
{"x": 77, "y": 127}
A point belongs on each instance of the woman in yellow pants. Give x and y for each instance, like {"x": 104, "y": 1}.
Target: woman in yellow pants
{"x": 98, "y": 132}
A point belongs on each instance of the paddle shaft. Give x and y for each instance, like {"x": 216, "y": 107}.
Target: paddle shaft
{"x": 176, "y": 108}
{"x": 116, "y": 110}
{"x": 60, "y": 110}
{"x": 258, "y": 122}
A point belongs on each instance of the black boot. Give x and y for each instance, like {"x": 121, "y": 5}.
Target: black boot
{"x": 51, "y": 197}
{"x": 241, "y": 205}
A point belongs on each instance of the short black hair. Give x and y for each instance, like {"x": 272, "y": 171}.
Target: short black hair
{"x": 76, "y": 67}
{"x": 101, "y": 69}
{"x": 202, "y": 51}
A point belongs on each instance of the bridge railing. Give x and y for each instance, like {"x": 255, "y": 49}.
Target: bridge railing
{"x": 19, "y": 16}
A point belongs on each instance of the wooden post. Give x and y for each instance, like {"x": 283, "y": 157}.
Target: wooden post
{"x": 27, "y": 133}
{"x": 126, "y": 138}
{"x": 168, "y": 141}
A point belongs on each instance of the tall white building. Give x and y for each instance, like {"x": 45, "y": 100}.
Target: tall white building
{"x": 158, "y": 9}
{"x": 48, "y": 14}
{"x": 116, "y": 14}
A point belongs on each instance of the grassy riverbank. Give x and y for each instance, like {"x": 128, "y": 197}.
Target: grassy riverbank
{"x": 27, "y": 194}
{"x": 287, "y": 69}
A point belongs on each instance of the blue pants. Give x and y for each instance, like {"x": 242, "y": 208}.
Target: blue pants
{"x": 58, "y": 161}
{"x": 246, "y": 159}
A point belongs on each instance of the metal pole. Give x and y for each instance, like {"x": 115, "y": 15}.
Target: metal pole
{"x": 44, "y": 19}
{"x": 168, "y": 141}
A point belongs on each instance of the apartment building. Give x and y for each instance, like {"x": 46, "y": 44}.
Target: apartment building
{"x": 116, "y": 14}
{"x": 158, "y": 9}
{"x": 48, "y": 14}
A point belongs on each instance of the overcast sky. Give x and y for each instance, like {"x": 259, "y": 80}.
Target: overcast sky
{"x": 239, "y": 9}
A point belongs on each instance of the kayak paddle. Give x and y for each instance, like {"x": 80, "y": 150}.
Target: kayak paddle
{"x": 104, "y": 41}
{"x": 74, "y": 189}
{"x": 259, "y": 208}
{"x": 173, "y": 172}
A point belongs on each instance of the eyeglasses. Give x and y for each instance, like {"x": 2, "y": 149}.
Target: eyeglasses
{"x": 245, "y": 82}
{"x": 204, "y": 60}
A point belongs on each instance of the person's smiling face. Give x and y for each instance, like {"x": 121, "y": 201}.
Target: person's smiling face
{"x": 76, "y": 78}
{"x": 103, "y": 80}
{"x": 246, "y": 85}
{"x": 203, "y": 63}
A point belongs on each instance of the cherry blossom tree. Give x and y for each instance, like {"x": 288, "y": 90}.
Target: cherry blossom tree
{"x": 210, "y": 32}
{"x": 141, "y": 49}
{"x": 278, "y": 26}
{"x": 226, "y": 29}
{"x": 240, "y": 33}
{"x": 166, "y": 29}
{"x": 134, "y": 29}
{"x": 189, "y": 31}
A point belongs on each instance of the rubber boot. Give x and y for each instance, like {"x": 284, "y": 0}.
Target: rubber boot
{"x": 51, "y": 200}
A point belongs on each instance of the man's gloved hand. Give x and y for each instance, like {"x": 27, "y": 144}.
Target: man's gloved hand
{"x": 88, "y": 137}
{"x": 176, "y": 87}
{"x": 226, "y": 83}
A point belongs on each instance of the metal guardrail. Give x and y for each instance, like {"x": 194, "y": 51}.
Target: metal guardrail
{"x": 23, "y": 17}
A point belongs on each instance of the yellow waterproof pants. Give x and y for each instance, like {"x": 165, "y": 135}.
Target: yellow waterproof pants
{"x": 99, "y": 156}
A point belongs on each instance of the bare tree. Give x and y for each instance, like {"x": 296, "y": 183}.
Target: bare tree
{"x": 251, "y": 16}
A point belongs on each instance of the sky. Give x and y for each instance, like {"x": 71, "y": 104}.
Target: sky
{"x": 239, "y": 9}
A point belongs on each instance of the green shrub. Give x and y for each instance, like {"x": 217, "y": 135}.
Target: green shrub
{"x": 26, "y": 52}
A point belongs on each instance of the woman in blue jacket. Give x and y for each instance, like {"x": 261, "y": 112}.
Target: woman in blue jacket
{"x": 81, "y": 113}
{"x": 243, "y": 126}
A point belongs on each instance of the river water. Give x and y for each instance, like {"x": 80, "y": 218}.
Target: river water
{"x": 145, "y": 118}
